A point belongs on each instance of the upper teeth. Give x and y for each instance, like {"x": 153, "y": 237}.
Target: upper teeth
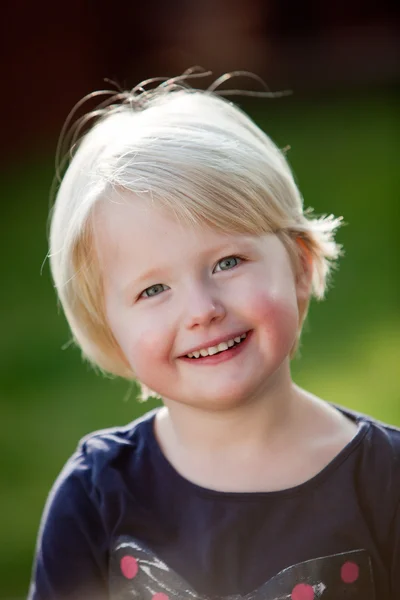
{"x": 219, "y": 348}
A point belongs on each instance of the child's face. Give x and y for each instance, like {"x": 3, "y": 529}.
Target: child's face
{"x": 172, "y": 289}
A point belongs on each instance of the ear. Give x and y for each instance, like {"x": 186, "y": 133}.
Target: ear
{"x": 304, "y": 274}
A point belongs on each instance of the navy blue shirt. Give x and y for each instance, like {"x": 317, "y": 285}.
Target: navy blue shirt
{"x": 121, "y": 523}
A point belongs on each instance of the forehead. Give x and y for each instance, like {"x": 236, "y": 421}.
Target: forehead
{"x": 130, "y": 224}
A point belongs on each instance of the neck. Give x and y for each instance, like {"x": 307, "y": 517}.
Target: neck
{"x": 245, "y": 429}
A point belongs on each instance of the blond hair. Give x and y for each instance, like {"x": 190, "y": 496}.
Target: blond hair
{"x": 199, "y": 156}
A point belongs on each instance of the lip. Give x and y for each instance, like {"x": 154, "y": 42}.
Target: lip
{"x": 214, "y": 342}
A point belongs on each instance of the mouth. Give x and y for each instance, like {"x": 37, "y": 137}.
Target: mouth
{"x": 223, "y": 350}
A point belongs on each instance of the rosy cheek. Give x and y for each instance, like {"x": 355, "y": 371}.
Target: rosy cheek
{"x": 145, "y": 348}
{"x": 277, "y": 316}
{"x": 268, "y": 307}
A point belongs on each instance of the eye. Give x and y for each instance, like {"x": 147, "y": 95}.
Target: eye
{"x": 228, "y": 263}
{"x": 153, "y": 290}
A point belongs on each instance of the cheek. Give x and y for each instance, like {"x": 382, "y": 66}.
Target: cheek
{"x": 144, "y": 338}
{"x": 146, "y": 347}
{"x": 277, "y": 316}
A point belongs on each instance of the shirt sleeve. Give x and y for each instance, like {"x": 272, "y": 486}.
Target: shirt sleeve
{"x": 71, "y": 553}
{"x": 395, "y": 566}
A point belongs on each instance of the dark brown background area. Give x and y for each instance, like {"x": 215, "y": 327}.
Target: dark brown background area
{"x": 54, "y": 53}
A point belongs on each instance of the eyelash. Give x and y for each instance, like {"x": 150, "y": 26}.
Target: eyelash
{"x": 239, "y": 260}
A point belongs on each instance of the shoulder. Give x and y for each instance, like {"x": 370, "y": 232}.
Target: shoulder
{"x": 95, "y": 473}
{"x": 100, "y": 449}
{"x": 106, "y": 443}
{"x": 380, "y": 440}
{"x": 381, "y": 452}
{"x": 378, "y": 456}
{"x": 102, "y": 454}
{"x": 371, "y": 477}
{"x": 82, "y": 509}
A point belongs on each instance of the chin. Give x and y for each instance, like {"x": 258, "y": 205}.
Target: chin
{"x": 215, "y": 393}
{"x": 225, "y": 398}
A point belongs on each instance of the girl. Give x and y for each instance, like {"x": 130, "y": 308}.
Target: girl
{"x": 183, "y": 258}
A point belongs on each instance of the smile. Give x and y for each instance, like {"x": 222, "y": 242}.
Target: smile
{"x": 222, "y": 347}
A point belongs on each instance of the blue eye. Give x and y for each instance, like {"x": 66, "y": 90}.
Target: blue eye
{"x": 153, "y": 290}
{"x": 228, "y": 263}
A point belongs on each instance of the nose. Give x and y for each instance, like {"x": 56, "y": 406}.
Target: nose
{"x": 202, "y": 308}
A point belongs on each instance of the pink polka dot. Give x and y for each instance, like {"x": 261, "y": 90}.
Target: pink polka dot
{"x": 160, "y": 596}
{"x": 302, "y": 591}
{"x": 129, "y": 566}
{"x": 349, "y": 572}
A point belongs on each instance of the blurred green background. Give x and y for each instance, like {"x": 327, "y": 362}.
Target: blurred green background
{"x": 342, "y": 124}
{"x": 344, "y": 153}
